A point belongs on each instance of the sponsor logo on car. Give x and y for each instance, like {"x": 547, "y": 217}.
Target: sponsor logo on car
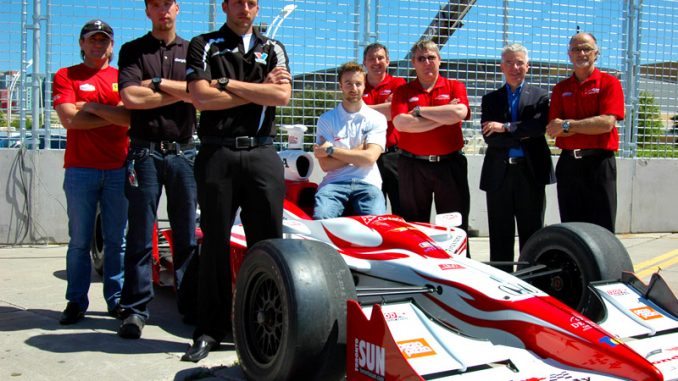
{"x": 450, "y": 266}
{"x": 415, "y": 348}
{"x": 370, "y": 359}
{"x": 664, "y": 361}
{"x": 646, "y": 313}
{"x": 609, "y": 341}
{"x": 578, "y": 323}
{"x": 395, "y": 316}
{"x": 618, "y": 292}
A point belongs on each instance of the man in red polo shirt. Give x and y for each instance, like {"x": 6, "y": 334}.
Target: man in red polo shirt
{"x": 379, "y": 89}
{"x": 427, "y": 113}
{"x": 583, "y": 115}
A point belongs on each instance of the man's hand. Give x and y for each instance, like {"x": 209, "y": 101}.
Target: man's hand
{"x": 319, "y": 150}
{"x": 278, "y": 76}
{"x": 555, "y": 128}
{"x": 490, "y": 128}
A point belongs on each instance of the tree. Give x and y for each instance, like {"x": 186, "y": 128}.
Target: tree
{"x": 649, "y": 119}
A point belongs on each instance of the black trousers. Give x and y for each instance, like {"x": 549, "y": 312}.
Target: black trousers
{"x": 228, "y": 179}
{"x": 388, "y": 168}
{"x": 445, "y": 181}
{"x": 518, "y": 200}
{"x": 587, "y": 189}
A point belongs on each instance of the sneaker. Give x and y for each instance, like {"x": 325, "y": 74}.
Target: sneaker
{"x": 131, "y": 327}
{"x": 72, "y": 314}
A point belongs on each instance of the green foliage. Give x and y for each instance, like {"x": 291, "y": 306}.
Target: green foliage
{"x": 649, "y": 120}
{"x": 305, "y": 108}
{"x": 15, "y": 121}
{"x": 675, "y": 123}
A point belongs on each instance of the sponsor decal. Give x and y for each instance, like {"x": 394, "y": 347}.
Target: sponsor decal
{"x": 182, "y": 60}
{"x": 57, "y": 97}
{"x": 609, "y": 341}
{"x": 395, "y": 316}
{"x": 664, "y": 361}
{"x": 567, "y": 94}
{"x": 442, "y": 97}
{"x": 618, "y": 292}
{"x": 592, "y": 91}
{"x": 87, "y": 87}
{"x": 415, "y": 348}
{"x": 518, "y": 289}
{"x": 564, "y": 375}
{"x": 578, "y": 323}
{"x": 413, "y": 99}
{"x": 368, "y": 219}
{"x": 450, "y": 266}
{"x": 646, "y": 313}
{"x": 260, "y": 57}
{"x": 370, "y": 359}
{"x": 401, "y": 229}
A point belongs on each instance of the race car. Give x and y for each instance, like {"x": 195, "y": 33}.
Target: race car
{"x": 380, "y": 298}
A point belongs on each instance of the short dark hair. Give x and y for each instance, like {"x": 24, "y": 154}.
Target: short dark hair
{"x": 374, "y": 45}
{"x": 349, "y": 67}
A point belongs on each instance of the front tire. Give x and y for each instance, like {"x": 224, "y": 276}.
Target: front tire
{"x": 583, "y": 253}
{"x": 289, "y": 311}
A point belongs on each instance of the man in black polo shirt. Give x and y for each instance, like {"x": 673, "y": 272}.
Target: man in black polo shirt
{"x": 152, "y": 85}
{"x": 236, "y": 77}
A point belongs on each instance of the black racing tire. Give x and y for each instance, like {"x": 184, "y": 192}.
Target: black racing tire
{"x": 97, "y": 245}
{"x": 289, "y": 311}
{"x": 584, "y": 253}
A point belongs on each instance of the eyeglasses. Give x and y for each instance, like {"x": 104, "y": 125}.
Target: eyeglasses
{"x": 427, "y": 58}
{"x": 586, "y": 50}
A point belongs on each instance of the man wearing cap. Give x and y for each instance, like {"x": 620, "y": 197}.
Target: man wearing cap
{"x": 236, "y": 77}
{"x": 379, "y": 89}
{"x": 86, "y": 99}
{"x": 153, "y": 88}
{"x": 517, "y": 164}
{"x": 584, "y": 112}
{"x": 428, "y": 112}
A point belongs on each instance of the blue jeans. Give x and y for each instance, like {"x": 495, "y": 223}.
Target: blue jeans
{"x": 175, "y": 172}
{"x": 85, "y": 188}
{"x": 364, "y": 199}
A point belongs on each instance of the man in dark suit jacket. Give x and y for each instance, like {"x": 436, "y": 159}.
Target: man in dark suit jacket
{"x": 517, "y": 163}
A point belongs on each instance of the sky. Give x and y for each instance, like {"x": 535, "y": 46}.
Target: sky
{"x": 321, "y": 34}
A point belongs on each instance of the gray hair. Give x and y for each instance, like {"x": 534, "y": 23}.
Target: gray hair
{"x": 424, "y": 45}
{"x": 515, "y": 48}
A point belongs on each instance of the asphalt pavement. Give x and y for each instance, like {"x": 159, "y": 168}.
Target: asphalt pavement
{"x": 33, "y": 346}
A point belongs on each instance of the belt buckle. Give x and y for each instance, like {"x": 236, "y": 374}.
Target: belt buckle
{"x": 244, "y": 142}
{"x": 433, "y": 158}
{"x": 576, "y": 153}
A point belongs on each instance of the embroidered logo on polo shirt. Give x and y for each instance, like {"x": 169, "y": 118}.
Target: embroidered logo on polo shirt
{"x": 115, "y": 87}
{"x": 182, "y": 60}
{"x": 260, "y": 57}
{"x": 591, "y": 91}
{"x": 567, "y": 94}
{"x": 87, "y": 87}
{"x": 386, "y": 92}
{"x": 443, "y": 97}
{"x": 413, "y": 99}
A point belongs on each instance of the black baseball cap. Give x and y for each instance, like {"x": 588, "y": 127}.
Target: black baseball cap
{"x": 96, "y": 26}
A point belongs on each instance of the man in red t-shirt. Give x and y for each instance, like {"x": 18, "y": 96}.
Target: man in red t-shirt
{"x": 379, "y": 89}
{"x": 583, "y": 115}
{"x": 427, "y": 112}
{"x": 86, "y": 99}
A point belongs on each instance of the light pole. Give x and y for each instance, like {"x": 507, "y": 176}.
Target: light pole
{"x": 10, "y": 94}
{"x": 284, "y": 13}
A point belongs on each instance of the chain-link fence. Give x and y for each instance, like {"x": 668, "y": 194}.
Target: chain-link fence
{"x": 637, "y": 40}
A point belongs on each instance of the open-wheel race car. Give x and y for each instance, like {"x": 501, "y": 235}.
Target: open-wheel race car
{"x": 379, "y": 298}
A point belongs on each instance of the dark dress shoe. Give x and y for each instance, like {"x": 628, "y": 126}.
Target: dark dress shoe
{"x": 131, "y": 327}
{"x": 200, "y": 349}
{"x": 117, "y": 312}
{"x": 72, "y": 314}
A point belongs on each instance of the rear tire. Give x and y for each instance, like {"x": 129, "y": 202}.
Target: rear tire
{"x": 289, "y": 311}
{"x": 584, "y": 253}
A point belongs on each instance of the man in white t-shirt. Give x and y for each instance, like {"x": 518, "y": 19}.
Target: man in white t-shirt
{"x": 349, "y": 140}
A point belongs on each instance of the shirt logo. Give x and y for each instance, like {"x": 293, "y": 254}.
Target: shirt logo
{"x": 115, "y": 87}
{"x": 260, "y": 57}
{"x": 182, "y": 60}
{"x": 592, "y": 91}
{"x": 386, "y": 92}
{"x": 87, "y": 87}
{"x": 443, "y": 97}
{"x": 413, "y": 99}
{"x": 567, "y": 94}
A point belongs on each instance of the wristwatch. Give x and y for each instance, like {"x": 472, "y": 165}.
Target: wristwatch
{"x": 329, "y": 150}
{"x": 507, "y": 126}
{"x": 416, "y": 111}
{"x": 156, "y": 84}
{"x": 222, "y": 83}
{"x": 566, "y": 126}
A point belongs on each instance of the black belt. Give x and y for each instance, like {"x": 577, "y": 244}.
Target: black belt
{"x": 430, "y": 158}
{"x": 515, "y": 160}
{"x": 393, "y": 148}
{"x": 580, "y": 153}
{"x": 240, "y": 142}
{"x": 163, "y": 146}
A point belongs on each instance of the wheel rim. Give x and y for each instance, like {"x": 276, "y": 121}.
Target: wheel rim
{"x": 264, "y": 320}
{"x": 568, "y": 284}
